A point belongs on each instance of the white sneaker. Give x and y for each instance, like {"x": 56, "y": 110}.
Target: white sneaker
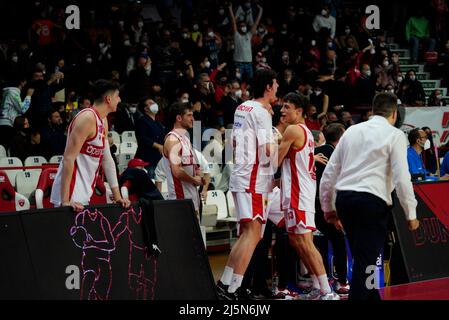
{"x": 315, "y": 294}
{"x": 329, "y": 296}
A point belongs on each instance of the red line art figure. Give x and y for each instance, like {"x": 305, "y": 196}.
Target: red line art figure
{"x": 142, "y": 273}
{"x": 92, "y": 233}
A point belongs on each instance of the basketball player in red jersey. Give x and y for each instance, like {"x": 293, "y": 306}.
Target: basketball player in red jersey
{"x": 87, "y": 150}
{"x": 298, "y": 188}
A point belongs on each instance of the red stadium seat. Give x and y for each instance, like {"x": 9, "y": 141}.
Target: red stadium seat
{"x": 10, "y": 200}
{"x": 44, "y": 186}
{"x": 99, "y": 196}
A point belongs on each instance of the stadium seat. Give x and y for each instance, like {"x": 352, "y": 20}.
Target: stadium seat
{"x": 129, "y": 136}
{"x": 215, "y": 180}
{"x": 99, "y": 195}
{"x": 128, "y": 147}
{"x": 26, "y": 182}
{"x": 123, "y": 158}
{"x": 3, "y": 153}
{"x": 121, "y": 168}
{"x": 115, "y": 137}
{"x": 218, "y": 198}
{"x": 11, "y": 162}
{"x": 214, "y": 169}
{"x": 231, "y": 205}
{"x": 35, "y": 161}
{"x": 43, "y": 190}
{"x": 10, "y": 200}
{"x": 56, "y": 159}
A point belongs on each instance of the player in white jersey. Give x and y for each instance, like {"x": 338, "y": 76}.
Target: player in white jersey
{"x": 251, "y": 178}
{"x": 179, "y": 162}
{"x": 298, "y": 185}
{"x": 86, "y": 151}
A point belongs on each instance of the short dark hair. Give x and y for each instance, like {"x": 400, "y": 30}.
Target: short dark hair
{"x": 333, "y": 132}
{"x": 298, "y": 99}
{"x": 141, "y": 105}
{"x": 261, "y": 80}
{"x": 384, "y": 104}
{"x": 414, "y": 135}
{"x": 102, "y": 88}
{"x": 50, "y": 113}
{"x": 178, "y": 109}
{"x": 276, "y": 115}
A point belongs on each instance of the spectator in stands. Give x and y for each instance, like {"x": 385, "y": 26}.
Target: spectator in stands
{"x": 429, "y": 156}
{"x": 346, "y": 119}
{"x": 436, "y": 99}
{"x": 411, "y": 91}
{"x": 243, "y": 56}
{"x": 364, "y": 87}
{"x": 126, "y": 117}
{"x": 11, "y": 107}
{"x": 231, "y": 101}
{"x": 396, "y": 68}
{"x": 21, "y": 139}
{"x": 150, "y": 135}
{"x": 312, "y": 121}
{"x": 417, "y": 30}
{"x": 331, "y": 117}
{"x": 52, "y": 135}
{"x": 418, "y": 143}
{"x": 138, "y": 84}
{"x": 319, "y": 99}
{"x": 383, "y": 73}
{"x": 325, "y": 20}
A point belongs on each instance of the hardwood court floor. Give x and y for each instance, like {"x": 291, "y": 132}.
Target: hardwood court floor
{"x": 217, "y": 262}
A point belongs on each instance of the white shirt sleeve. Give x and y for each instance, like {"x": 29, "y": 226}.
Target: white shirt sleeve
{"x": 159, "y": 174}
{"x": 316, "y": 24}
{"x": 329, "y": 178}
{"x": 401, "y": 176}
{"x": 333, "y": 27}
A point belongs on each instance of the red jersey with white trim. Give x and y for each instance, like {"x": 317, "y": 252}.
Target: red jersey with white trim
{"x": 252, "y": 129}
{"x": 86, "y": 167}
{"x": 298, "y": 177}
{"x": 178, "y": 189}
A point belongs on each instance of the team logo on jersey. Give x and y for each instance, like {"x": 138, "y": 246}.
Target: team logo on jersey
{"x": 21, "y": 202}
{"x": 92, "y": 151}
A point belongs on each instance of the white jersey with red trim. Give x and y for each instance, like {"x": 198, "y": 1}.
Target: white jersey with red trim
{"x": 178, "y": 189}
{"x": 298, "y": 177}
{"x": 252, "y": 129}
{"x": 86, "y": 167}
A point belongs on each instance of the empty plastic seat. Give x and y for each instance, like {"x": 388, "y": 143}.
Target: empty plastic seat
{"x": 218, "y": 198}
{"x": 26, "y": 182}
{"x": 35, "y": 161}
{"x": 129, "y": 136}
{"x": 3, "y": 153}
{"x": 11, "y": 162}
{"x": 44, "y": 186}
{"x": 128, "y": 147}
{"x": 56, "y": 159}
{"x": 10, "y": 200}
{"x": 115, "y": 137}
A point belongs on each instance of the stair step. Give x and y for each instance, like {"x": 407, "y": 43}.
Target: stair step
{"x": 403, "y": 53}
{"x": 429, "y": 91}
{"x": 430, "y": 84}
{"x": 392, "y": 46}
{"x": 404, "y": 61}
{"x": 416, "y": 67}
{"x": 421, "y": 76}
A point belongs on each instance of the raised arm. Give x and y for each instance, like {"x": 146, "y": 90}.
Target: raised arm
{"x": 259, "y": 17}
{"x": 233, "y": 21}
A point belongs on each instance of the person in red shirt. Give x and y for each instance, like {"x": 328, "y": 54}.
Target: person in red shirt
{"x": 312, "y": 121}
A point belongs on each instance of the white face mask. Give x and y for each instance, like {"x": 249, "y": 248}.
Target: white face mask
{"x": 132, "y": 109}
{"x": 185, "y": 35}
{"x": 427, "y": 145}
{"x": 238, "y": 75}
{"x": 413, "y": 78}
{"x": 238, "y": 93}
{"x": 261, "y": 30}
{"x": 140, "y": 24}
{"x": 15, "y": 59}
{"x": 264, "y": 60}
{"x": 439, "y": 96}
{"x": 313, "y": 43}
{"x": 89, "y": 60}
{"x": 195, "y": 27}
{"x": 101, "y": 45}
{"x": 330, "y": 44}
{"x": 221, "y": 12}
{"x": 121, "y": 23}
{"x": 211, "y": 34}
{"x": 390, "y": 91}
{"x": 127, "y": 43}
{"x": 372, "y": 51}
{"x": 207, "y": 64}
{"x": 244, "y": 29}
{"x": 347, "y": 31}
{"x": 317, "y": 92}
{"x": 185, "y": 100}
{"x": 386, "y": 63}
{"x": 323, "y": 12}
{"x": 400, "y": 79}
{"x": 154, "y": 108}
{"x": 368, "y": 73}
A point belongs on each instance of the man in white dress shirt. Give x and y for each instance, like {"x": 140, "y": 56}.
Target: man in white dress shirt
{"x": 367, "y": 165}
